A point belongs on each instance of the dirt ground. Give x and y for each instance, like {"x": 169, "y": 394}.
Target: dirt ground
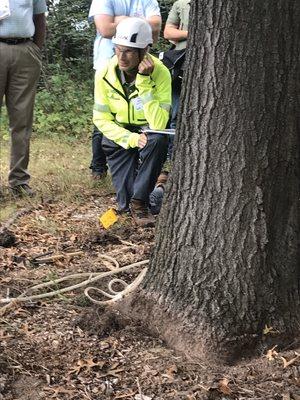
{"x": 56, "y": 347}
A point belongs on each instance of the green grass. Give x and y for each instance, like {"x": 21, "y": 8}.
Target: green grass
{"x": 59, "y": 170}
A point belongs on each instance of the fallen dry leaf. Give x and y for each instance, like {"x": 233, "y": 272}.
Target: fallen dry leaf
{"x": 268, "y": 329}
{"x": 87, "y": 364}
{"x": 25, "y": 330}
{"x": 223, "y": 386}
{"x": 272, "y": 354}
{"x": 170, "y": 372}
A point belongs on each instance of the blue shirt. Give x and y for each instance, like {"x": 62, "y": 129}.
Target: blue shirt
{"x": 103, "y": 48}
{"x": 20, "y": 23}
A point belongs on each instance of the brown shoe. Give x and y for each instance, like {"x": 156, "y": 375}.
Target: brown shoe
{"x": 141, "y": 214}
{"x": 162, "y": 179}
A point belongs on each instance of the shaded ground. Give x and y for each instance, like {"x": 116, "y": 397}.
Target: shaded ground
{"x": 52, "y": 348}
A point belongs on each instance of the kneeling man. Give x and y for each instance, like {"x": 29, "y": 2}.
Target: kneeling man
{"x": 133, "y": 91}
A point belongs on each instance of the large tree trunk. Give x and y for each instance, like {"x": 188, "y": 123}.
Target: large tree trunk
{"x": 226, "y": 261}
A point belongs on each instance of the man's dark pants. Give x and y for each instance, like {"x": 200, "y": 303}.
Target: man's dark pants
{"x": 135, "y": 171}
{"x": 98, "y": 163}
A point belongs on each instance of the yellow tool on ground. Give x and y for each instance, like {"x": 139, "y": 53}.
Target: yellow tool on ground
{"x": 109, "y": 218}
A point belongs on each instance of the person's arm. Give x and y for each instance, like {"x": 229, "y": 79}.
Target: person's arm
{"x": 105, "y": 121}
{"x": 155, "y": 22}
{"x": 172, "y": 32}
{"x": 154, "y": 86}
{"x": 106, "y": 24}
{"x": 39, "y": 21}
{"x": 172, "y": 29}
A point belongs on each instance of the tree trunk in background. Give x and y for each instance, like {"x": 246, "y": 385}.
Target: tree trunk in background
{"x": 226, "y": 260}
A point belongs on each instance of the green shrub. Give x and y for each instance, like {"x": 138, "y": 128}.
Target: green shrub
{"x": 64, "y": 106}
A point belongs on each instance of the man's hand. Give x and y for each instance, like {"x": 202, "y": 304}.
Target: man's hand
{"x": 146, "y": 66}
{"x": 142, "y": 140}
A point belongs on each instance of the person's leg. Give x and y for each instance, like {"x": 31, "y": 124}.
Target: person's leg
{"x": 152, "y": 158}
{"x": 98, "y": 163}
{"x": 24, "y": 71}
{"x": 156, "y": 199}
{"x": 123, "y": 166}
{"x": 156, "y": 196}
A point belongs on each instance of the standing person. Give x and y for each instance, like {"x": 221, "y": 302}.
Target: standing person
{"x": 107, "y": 14}
{"x": 22, "y": 34}
{"x": 133, "y": 90}
{"x": 176, "y": 30}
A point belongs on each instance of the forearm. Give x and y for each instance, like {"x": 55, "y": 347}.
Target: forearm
{"x": 107, "y": 25}
{"x": 108, "y": 31}
{"x": 39, "y": 21}
{"x": 123, "y": 137}
{"x": 173, "y": 33}
{"x": 155, "y": 23}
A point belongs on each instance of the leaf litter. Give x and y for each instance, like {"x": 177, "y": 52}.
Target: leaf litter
{"x": 45, "y": 353}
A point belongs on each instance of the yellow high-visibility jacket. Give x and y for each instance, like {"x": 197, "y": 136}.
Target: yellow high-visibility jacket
{"x": 149, "y": 104}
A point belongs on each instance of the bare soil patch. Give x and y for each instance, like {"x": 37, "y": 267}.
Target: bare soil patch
{"x": 67, "y": 348}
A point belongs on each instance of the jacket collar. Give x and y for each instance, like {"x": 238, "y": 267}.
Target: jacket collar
{"x": 111, "y": 74}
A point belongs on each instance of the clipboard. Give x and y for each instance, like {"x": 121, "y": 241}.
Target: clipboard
{"x": 163, "y": 131}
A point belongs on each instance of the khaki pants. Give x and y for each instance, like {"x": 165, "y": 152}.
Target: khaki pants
{"x": 20, "y": 68}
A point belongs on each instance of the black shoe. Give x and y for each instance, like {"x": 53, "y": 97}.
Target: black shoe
{"x": 22, "y": 190}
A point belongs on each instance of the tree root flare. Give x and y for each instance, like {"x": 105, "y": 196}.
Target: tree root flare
{"x": 144, "y": 312}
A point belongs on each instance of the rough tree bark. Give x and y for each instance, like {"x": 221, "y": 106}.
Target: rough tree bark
{"x": 226, "y": 260}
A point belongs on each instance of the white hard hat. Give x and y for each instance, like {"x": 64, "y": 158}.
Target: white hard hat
{"x": 133, "y": 32}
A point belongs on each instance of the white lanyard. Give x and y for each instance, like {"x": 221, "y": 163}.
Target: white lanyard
{"x": 4, "y": 9}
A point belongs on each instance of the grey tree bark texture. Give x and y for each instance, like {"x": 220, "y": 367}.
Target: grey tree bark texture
{"x": 226, "y": 258}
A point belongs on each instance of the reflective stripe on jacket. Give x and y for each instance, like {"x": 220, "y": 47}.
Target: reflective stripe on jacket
{"x": 148, "y": 105}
